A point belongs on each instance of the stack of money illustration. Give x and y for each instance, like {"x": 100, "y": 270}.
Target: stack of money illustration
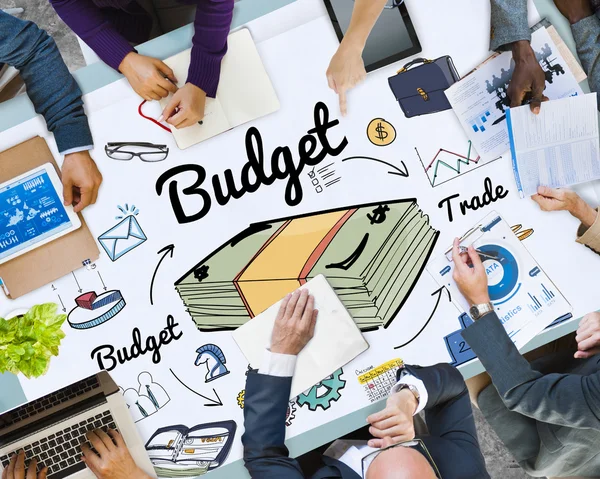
{"x": 372, "y": 255}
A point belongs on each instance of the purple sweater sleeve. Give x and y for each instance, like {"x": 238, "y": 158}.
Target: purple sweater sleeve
{"x": 213, "y": 20}
{"x": 89, "y": 22}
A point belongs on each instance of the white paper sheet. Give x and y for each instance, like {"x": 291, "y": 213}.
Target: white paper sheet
{"x": 336, "y": 342}
{"x": 558, "y": 147}
{"x": 479, "y": 99}
{"x": 245, "y": 91}
{"x": 524, "y": 297}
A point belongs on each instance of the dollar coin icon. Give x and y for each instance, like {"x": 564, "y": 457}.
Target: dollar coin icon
{"x": 381, "y": 132}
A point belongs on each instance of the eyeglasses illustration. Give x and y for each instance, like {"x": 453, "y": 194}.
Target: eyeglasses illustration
{"x": 147, "y": 152}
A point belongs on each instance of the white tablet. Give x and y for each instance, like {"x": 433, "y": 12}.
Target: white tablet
{"x": 32, "y": 212}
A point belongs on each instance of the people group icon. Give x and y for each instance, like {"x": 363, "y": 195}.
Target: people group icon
{"x": 147, "y": 399}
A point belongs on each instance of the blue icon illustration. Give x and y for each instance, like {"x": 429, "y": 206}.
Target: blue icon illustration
{"x": 213, "y": 357}
{"x": 126, "y": 235}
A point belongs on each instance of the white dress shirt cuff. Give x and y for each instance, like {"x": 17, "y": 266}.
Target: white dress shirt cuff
{"x": 409, "y": 379}
{"x": 77, "y": 150}
{"x": 275, "y": 364}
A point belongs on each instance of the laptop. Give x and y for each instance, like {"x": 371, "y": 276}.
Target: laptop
{"x": 53, "y": 427}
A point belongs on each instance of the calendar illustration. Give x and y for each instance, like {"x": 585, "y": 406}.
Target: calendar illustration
{"x": 379, "y": 381}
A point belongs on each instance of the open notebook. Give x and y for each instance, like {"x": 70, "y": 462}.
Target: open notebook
{"x": 336, "y": 342}
{"x": 245, "y": 91}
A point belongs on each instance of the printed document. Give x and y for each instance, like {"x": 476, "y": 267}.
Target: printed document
{"x": 480, "y": 99}
{"x": 558, "y": 147}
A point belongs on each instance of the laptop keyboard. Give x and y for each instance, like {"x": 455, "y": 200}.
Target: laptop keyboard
{"x": 50, "y": 400}
{"x": 61, "y": 451}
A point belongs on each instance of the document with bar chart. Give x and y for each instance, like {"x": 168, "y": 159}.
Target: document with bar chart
{"x": 524, "y": 297}
{"x": 480, "y": 99}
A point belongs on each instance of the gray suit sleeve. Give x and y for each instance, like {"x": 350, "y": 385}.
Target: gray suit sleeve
{"x": 586, "y": 33}
{"x": 564, "y": 399}
{"x": 509, "y": 23}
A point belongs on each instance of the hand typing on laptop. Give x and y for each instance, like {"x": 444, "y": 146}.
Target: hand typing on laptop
{"x": 110, "y": 460}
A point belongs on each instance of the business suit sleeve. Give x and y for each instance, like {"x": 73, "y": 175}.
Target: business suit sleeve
{"x": 568, "y": 400}
{"x": 509, "y": 23}
{"x": 51, "y": 88}
{"x": 265, "y": 407}
{"x": 590, "y": 237}
{"x": 209, "y": 44}
{"x": 586, "y": 33}
{"x": 448, "y": 412}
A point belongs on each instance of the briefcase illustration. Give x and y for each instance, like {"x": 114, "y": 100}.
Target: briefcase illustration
{"x": 419, "y": 85}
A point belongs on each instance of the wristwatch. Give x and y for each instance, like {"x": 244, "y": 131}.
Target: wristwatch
{"x": 412, "y": 389}
{"x": 478, "y": 310}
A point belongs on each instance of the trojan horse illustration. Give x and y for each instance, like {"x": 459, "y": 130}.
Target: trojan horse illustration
{"x": 213, "y": 357}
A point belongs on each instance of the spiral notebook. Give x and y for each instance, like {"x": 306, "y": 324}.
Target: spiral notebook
{"x": 245, "y": 91}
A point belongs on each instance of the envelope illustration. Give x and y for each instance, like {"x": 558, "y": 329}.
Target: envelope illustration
{"x": 126, "y": 235}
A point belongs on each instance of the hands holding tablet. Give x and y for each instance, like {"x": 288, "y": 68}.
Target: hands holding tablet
{"x": 81, "y": 180}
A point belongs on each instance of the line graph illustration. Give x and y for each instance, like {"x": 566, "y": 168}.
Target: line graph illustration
{"x": 447, "y": 165}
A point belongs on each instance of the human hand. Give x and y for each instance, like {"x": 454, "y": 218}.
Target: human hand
{"x": 557, "y": 199}
{"x": 528, "y": 76}
{"x": 146, "y": 75}
{"x": 395, "y": 421}
{"x": 112, "y": 460}
{"x": 588, "y": 336}
{"x": 295, "y": 323}
{"x": 186, "y": 107}
{"x": 471, "y": 279}
{"x": 81, "y": 180}
{"x": 574, "y": 10}
{"x": 346, "y": 70}
{"x": 16, "y": 468}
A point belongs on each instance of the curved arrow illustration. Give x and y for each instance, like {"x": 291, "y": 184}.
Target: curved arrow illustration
{"x": 437, "y": 303}
{"x": 397, "y": 171}
{"x": 218, "y": 402}
{"x": 167, "y": 250}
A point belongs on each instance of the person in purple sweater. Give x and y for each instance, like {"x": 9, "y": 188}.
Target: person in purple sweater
{"x": 112, "y": 27}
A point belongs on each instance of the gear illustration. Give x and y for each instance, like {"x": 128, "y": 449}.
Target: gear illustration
{"x": 323, "y": 394}
{"x": 291, "y": 413}
{"x": 240, "y": 398}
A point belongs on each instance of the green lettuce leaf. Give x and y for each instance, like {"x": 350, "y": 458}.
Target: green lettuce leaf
{"x": 28, "y": 342}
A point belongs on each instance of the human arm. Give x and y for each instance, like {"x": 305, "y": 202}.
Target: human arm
{"x": 441, "y": 384}
{"x": 588, "y": 336}
{"x": 347, "y": 68}
{"x": 97, "y": 28}
{"x": 549, "y": 398}
{"x": 112, "y": 459}
{"x": 209, "y": 45}
{"x": 267, "y": 392}
{"x": 561, "y": 199}
{"x": 265, "y": 408}
{"x": 51, "y": 88}
{"x": 56, "y": 96}
{"x": 510, "y": 31}
{"x": 585, "y": 27}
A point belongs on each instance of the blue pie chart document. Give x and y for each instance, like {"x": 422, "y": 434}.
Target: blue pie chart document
{"x": 524, "y": 297}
